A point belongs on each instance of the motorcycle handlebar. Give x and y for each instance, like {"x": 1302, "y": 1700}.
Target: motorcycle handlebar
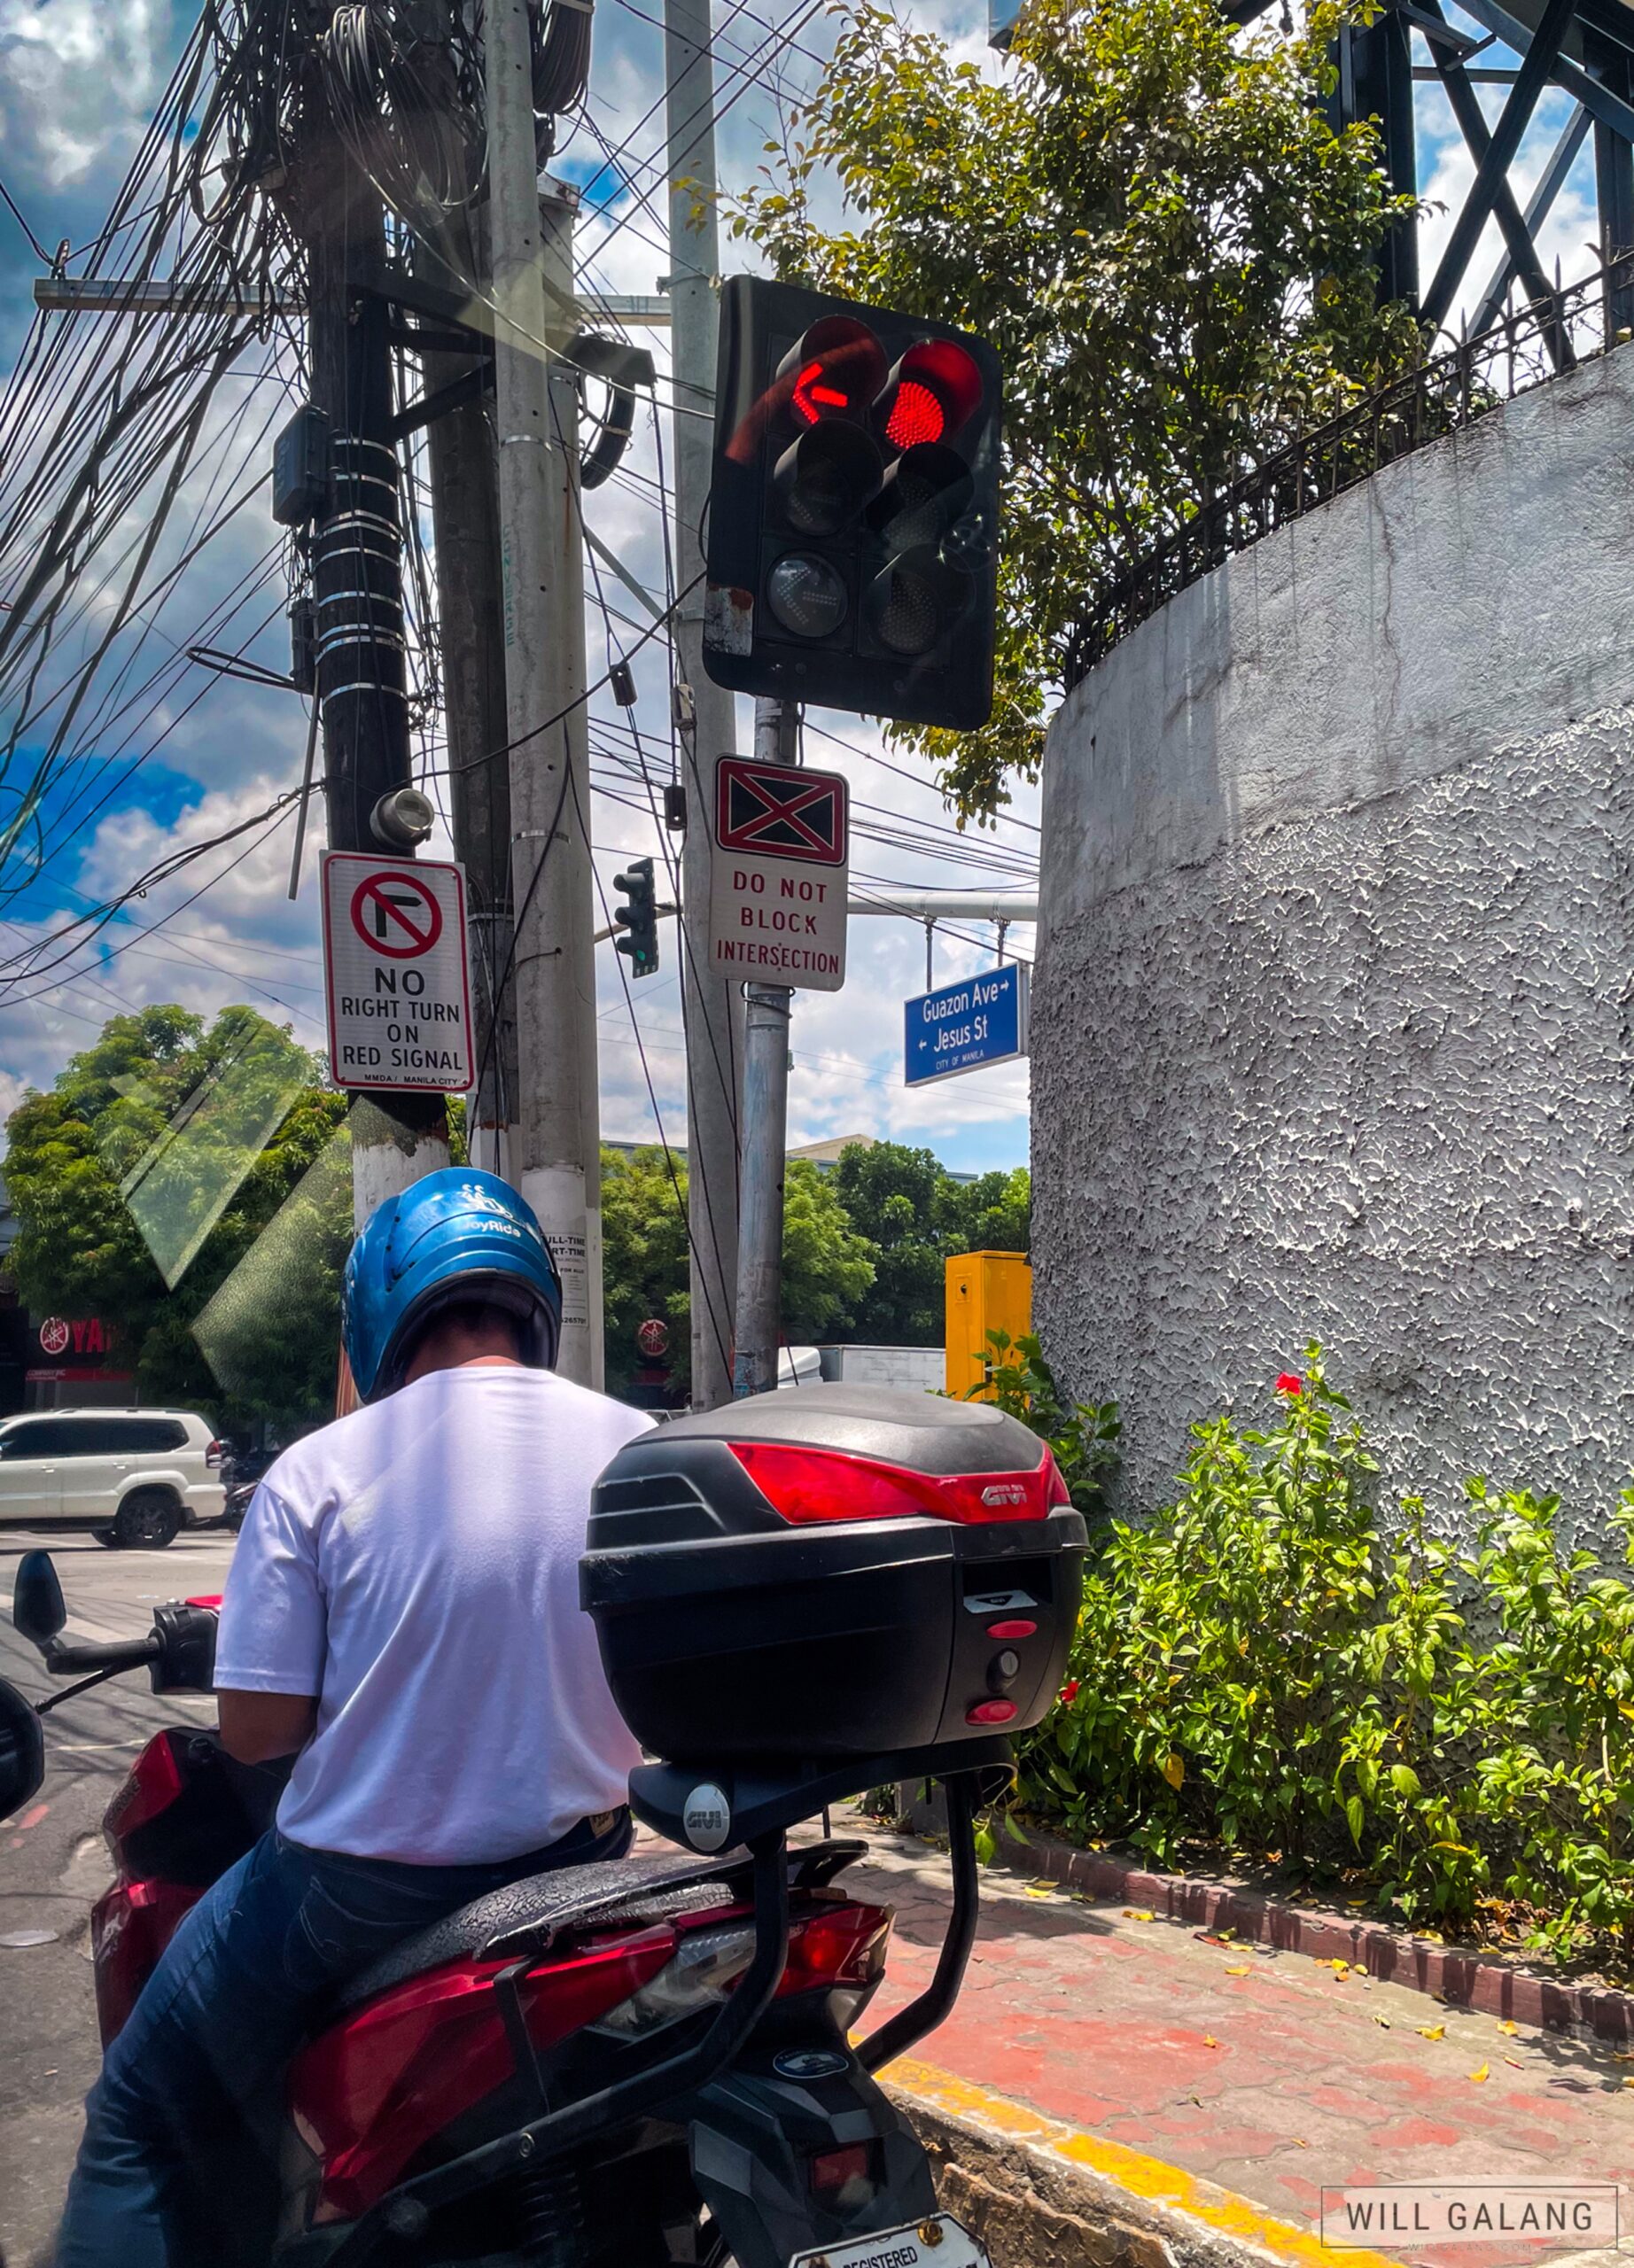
{"x": 96, "y": 1653}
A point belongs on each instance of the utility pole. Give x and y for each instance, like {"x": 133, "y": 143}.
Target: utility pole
{"x": 765, "y": 1120}
{"x": 556, "y": 1160}
{"x": 711, "y": 1006}
{"x": 357, "y": 587}
{"x": 464, "y": 487}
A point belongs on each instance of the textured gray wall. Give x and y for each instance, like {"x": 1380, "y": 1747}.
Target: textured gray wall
{"x": 1332, "y": 1017}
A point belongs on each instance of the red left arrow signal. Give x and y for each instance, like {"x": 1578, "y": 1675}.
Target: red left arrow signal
{"x": 812, "y": 397}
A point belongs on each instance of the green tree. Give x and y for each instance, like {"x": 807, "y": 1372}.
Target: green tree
{"x": 159, "y": 1160}
{"x": 915, "y": 1213}
{"x": 644, "y": 1271}
{"x": 1149, "y": 217}
{"x": 828, "y": 1267}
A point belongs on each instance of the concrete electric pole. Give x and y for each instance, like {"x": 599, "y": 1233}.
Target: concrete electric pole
{"x": 557, "y": 1164}
{"x": 713, "y": 1007}
{"x": 465, "y": 486}
{"x": 357, "y": 589}
{"x": 765, "y": 1121}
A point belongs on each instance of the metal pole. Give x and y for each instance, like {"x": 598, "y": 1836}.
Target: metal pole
{"x": 711, "y": 1006}
{"x": 557, "y": 1158}
{"x": 766, "y": 1118}
{"x": 357, "y": 585}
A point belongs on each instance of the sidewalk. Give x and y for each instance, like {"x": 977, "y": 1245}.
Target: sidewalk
{"x": 1175, "y": 2063}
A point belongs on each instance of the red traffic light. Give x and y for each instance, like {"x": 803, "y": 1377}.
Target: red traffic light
{"x": 932, "y": 392}
{"x": 834, "y": 371}
{"x": 814, "y": 390}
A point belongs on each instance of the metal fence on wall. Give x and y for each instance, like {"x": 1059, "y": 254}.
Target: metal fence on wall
{"x": 1444, "y": 393}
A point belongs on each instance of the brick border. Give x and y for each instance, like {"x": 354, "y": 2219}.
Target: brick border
{"x": 1482, "y": 1981}
{"x": 1042, "y": 2194}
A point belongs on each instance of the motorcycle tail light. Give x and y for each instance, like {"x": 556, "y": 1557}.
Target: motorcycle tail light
{"x": 844, "y": 2179}
{"x": 704, "y": 1967}
{"x": 839, "y": 1947}
{"x": 843, "y": 1945}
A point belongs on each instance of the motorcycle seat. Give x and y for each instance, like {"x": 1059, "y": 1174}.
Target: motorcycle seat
{"x": 527, "y": 1916}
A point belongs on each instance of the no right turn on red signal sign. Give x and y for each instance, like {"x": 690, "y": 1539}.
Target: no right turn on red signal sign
{"x": 395, "y": 973}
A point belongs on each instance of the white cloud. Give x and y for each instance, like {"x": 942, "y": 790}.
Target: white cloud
{"x": 77, "y": 78}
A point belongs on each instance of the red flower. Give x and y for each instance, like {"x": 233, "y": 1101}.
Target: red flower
{"x": 1069, "y": 1691}
{"x": 1290, "y": 1382}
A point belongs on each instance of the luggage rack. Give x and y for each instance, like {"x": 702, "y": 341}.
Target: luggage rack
{"x": 772, "y": 1799}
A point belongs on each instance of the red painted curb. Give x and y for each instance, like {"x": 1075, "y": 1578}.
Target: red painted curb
{"x": 1466, "y": 1980}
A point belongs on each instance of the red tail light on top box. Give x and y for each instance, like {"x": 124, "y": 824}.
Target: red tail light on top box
{"x": 817, "y": 1575}
{"x": 812, "y": 1486}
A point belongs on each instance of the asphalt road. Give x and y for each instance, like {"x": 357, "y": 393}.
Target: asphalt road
{"x": 53, "y": 1865}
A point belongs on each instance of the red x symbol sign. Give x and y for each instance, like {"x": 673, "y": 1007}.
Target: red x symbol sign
{"x": 780, "y": 810}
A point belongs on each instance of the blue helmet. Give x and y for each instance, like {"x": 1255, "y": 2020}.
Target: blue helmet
{"x": 451, "y": 1238}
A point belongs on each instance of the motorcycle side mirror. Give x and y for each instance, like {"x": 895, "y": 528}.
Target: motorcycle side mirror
{"x": 22, "y": 1747}
{"x": 38, "y": 1611}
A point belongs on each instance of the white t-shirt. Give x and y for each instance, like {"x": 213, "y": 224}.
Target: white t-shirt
{"x": 416, "y": 1567}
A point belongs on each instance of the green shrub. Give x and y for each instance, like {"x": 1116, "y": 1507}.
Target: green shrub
{"x": 1258, "y": 1665}
{"x": 1082, "y": 1437}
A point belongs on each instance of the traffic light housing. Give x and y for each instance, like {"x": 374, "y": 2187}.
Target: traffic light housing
{"x": 853, "y": 511}
{"x": 638, "y": 918}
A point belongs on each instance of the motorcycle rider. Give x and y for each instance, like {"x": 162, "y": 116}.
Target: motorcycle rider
{"x": 402, "y": 1616}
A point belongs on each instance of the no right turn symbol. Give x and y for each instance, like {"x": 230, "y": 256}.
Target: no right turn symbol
{"x": 396, "y": 914}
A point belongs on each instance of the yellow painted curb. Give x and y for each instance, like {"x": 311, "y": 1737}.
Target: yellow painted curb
{"x": 1148, "y": 2179}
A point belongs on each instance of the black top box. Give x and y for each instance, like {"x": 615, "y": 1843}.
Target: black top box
{"x": 832, "y": 1571}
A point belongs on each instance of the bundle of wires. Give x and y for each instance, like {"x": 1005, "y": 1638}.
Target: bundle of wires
{"x": 105, "y": 420}
{"x": 120, "y": 459}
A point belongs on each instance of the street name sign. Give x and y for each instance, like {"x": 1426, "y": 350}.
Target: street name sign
{"x": 395, "y": 973}
{"x": 777, "y": 897}
{"x": 965, "y": 1027}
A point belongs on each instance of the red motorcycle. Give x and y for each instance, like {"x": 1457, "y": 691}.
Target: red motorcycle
{"x": 649, "y": 2063}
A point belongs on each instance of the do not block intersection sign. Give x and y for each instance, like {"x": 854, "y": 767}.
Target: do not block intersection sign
{"x": 779, "y": 878}
{"x": 395, "y": 973}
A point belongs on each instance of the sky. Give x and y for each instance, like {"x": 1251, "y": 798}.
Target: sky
{"x": 78, "y": 81}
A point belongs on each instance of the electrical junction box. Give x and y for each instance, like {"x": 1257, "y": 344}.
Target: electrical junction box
{"x": 300, "y": 468}
{"x": 985, "y": 1291}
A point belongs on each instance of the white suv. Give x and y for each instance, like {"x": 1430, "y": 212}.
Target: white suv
{"x": 135, "y": 1476}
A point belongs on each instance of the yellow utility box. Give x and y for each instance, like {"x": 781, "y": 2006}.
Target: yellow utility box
{"x": 987, "y": 1291}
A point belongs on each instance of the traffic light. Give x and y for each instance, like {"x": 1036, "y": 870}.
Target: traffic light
{"x": 639, "y": 919}
{"x": 853, "y": 511}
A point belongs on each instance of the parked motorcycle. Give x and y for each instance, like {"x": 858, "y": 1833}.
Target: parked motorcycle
{"x": 241, "y": 1471}
{"x": 649, "y": 2063}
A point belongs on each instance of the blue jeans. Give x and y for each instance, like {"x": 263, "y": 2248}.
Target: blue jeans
{"x": 185, "y": 2111}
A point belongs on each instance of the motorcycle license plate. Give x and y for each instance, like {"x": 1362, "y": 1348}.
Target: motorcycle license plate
{"x": 939, "y": 2242}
